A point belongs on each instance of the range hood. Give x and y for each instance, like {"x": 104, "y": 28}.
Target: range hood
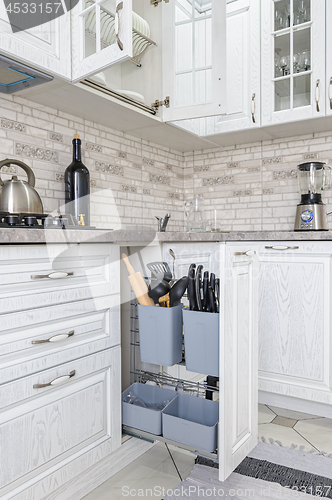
{"x": 15, "y": 76}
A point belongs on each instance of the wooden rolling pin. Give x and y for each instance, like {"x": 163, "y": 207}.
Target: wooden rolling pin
{"x": 137, "y": 284}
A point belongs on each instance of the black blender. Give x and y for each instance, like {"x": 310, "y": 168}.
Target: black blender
{"x": 313, "y": 178}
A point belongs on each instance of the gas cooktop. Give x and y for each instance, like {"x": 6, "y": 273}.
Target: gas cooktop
{"x": 39, "y": 221}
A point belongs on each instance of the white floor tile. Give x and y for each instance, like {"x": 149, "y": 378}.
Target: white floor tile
{"x": 285, "y": 435}
{"x": 296, "y": 415}
{"x": 318, "y": 432}
{"x": 265, "y": 415}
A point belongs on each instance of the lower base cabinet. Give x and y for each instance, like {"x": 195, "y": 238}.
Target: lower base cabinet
{"x": 48, "y": 432}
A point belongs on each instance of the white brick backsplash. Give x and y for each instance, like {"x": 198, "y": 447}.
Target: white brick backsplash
{"x": 253, "y": 186}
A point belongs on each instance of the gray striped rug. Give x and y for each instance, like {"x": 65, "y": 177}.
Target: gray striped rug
{"x": 268, "y": 473}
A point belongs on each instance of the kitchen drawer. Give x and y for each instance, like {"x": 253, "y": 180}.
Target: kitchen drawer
{"x": 282, "y": 248}
{"x": 52, "y": 426}
{"x": 25, "y": 333}
{"x": 41, "y": 275}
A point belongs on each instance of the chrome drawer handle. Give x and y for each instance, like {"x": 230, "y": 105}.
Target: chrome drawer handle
{"x": 249, "y": 253}
{"x": 52, "y": 276}
{"x": 317, "y": 95}
{"x": 55, "y": 338}
{"x": 56, "y": 381}
{"x": 253, "y": 108}
{"x": 281, "y": 247}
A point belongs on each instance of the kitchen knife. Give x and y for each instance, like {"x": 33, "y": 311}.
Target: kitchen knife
{"x": 205, "y": 301}
{"x": 212, "y": 306}
{"x": 191, "y": 288}
{"x": 217, "y": 292}
{"x": 198, "y": 287}
{"x": 213, "y": 286}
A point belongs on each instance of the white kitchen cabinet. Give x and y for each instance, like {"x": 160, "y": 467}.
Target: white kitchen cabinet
{"x": 59, "y": 324}
{"x": 293, "y": 60}
{"x": 45, "y": 47}
{"x": 328, "y": 17}
{"x": 236, "y": 264}
{"x": 101, "y": 33}
{"x": 295, "y": 320}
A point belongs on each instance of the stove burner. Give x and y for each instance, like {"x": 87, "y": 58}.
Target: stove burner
{"x": 11, "y": 220}
{"x": 30, "y": 221}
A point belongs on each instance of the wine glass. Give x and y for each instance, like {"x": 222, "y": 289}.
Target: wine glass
{"x": 284, "y": 65}
{"x": 296, "y": 63}
{"x": 277, "y": 67}
{"x": 305, "y": 61}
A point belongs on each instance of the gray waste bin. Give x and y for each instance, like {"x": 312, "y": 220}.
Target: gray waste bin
{"x": 160, "y": 334}
{"x": 201, "y": 342}
{"x": 192, "y": 421}
{"x": 145, "y": 419}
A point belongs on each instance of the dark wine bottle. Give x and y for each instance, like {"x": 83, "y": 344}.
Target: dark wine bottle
{"x": 77, "y": 186}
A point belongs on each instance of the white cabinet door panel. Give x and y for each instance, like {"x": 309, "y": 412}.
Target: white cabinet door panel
{"x": 45, "y": 47}
{"x": 62, "y": 422}
{"x": 193, "y": 52}
{"x": 238, "y": 385}
{"x": 91, "y": 53}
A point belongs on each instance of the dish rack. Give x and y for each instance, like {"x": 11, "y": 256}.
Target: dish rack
{"x": 107, "y": 32}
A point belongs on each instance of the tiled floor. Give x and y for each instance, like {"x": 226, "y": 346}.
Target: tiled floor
{"x": 156, "y": 469}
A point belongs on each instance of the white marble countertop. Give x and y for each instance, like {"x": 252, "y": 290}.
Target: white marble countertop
{"x": 10, "y": 236}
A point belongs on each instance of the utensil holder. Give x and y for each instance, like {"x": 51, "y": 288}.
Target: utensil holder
{"x": 192, "y": 421}
{"x": 145, "y": 419}
{"x": 201, "y": 342}
{"x": 160, "y": 334}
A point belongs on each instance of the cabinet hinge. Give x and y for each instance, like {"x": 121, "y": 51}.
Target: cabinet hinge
{"x": 156, "y": 104}
{"x": 156, "y": 2}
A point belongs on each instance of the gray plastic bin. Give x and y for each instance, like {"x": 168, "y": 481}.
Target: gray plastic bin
{"x": 160, "y": 334}
{"x": 201, "y": 342}
{"x": 145, "y": 419}
{"x": 192, "y": 421}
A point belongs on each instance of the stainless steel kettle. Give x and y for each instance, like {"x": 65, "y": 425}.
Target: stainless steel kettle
{"x": 19, "y": 196}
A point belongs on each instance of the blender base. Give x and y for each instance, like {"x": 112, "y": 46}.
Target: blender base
{"x": 311, "y": 217}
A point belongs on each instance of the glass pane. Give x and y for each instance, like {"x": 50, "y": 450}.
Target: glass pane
{"x": 302, "y": 91}
{"x": 301, "y": 11}
{"x": 90, "y": 33}
{"x": 203, "y": 8}
{"x": 183, "y": 87}
{"x": 87, "y": 3}
{"x": 302, "y": 56}
{"x": 185, "y": 6}
{"x": 183, "y": 47}
{"x": 181, "y": 15}
{"x": 282, "y": 95}
{"x": 203, "y": 86}
{"x": 281, "y": 14}
{"x": 107, "y": 29}
{"x": 203, "y": 43}
{"x": 282, "y": 55}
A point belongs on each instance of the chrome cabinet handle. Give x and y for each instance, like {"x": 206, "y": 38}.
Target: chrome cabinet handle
{"x": 56, "y": 381}
{"x": 281, "y": 247}
{"x": 330, "y": 93}
{"x": 317, "y": 95}
{"x": 57, "y": 275}
{"x": 55, "y": 338}
{"x": 249, "y": 253}
{"x": 253, "y": 108}
{"x": 117, "y": 25}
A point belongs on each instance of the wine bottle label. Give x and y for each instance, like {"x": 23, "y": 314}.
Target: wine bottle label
{"x": 81, "y": 221}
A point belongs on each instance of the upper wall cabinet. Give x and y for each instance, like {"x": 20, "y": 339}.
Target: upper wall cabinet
{"x": 293, "y": 60}
{"x": 193, "y": 54}
{"x": 101, "y": 35}
{"x": 45, "y": 46}
{"x": 328, "y": 57}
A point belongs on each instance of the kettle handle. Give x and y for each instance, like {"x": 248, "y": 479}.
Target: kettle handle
{"x": 24, "y": 166}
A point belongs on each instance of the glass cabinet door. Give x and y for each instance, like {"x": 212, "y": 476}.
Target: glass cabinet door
{"x": 101, "y": 35}
{"x": 296, "y": 59}
{"x": 194, "y": 58}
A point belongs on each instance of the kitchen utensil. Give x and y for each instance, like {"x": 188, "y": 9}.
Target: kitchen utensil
{"x": 205, "y": 301}
{"x": 19, "y": 196}
{"x": 191, "y": 288}
{"x": 313, "y": 178}
{"x": 157, "y": 289}
{"x": 198, "y": 287}
{"x": 217, "y": 293}
{"x": 213, "y": 286}
{"x": 212, "y": 305}
{"x": 176, "y": 292}
{"x": 162, "y": 222}
{"x": 194, "y": 212}
{"x": 160, "y": 271}
{"x": 172, "y": 254}
{"x": 138, "y": 284}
